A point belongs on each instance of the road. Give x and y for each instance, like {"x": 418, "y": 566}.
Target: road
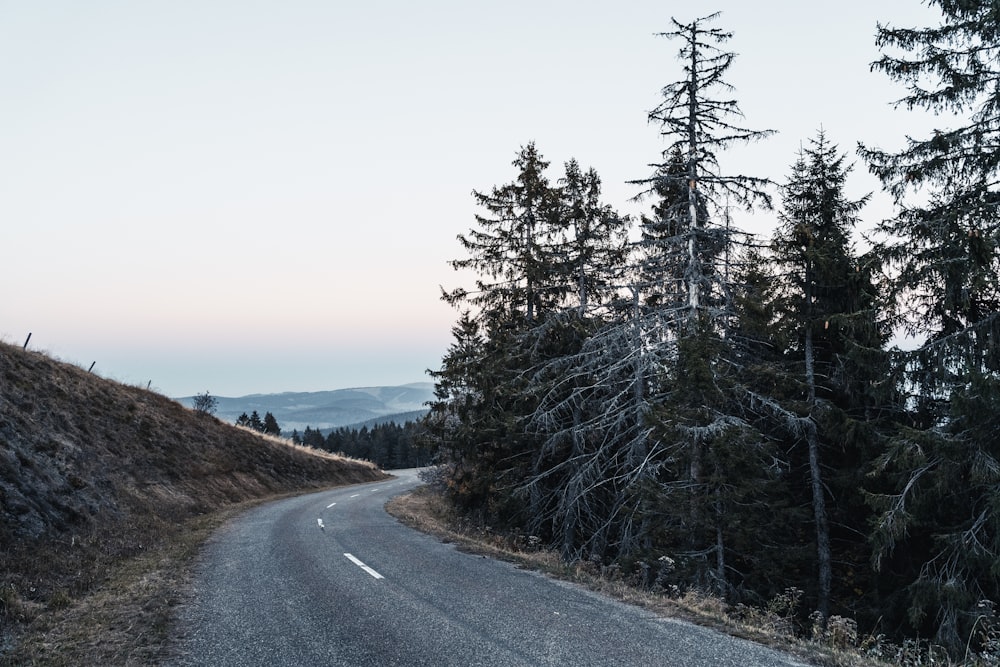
{"x": 329, "y": 579}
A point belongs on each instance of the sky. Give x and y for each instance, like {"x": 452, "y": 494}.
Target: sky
{"x": 241, "y": 196}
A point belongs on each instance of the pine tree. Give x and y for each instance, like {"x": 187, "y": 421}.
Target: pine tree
{"x": 511, "y": 247}
{"x": 699, "y": 414}
{"x": 594, "y": 238}
{"x": 698, "y": 122}
{"x": 822, "y": 312}
{"x": 662, "y": 248}
{"x": 270, "y": 425}
{"x": 537, "y": 249}
{"x": 254, "y": 422}
{"x": 936, "y": 534}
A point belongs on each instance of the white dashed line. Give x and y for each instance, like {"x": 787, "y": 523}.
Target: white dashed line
{"x": 355, "y": 495}
{"x": 363, "y": 566}
{"x": 330, "y": 505}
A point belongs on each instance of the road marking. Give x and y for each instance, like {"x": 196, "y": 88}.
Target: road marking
{"x": 320, "y": 522}
{"x": 364, "y": 567}
{"x": 374, "y": 490}
{"x": 355, "y": 495}
{"x": 330, "y": 505}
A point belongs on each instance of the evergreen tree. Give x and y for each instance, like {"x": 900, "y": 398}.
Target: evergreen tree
{"x": 454, "y": 425}
{"x": 941, "y": 249}
{"x": 697, "y": 119}
{"x": 938, "y": 493}
{"x": 597, "y": 459}
{"x": 824, "y": 311}
{"x": 700, "y": 415}
{"x": 594, "y": 239}
{"x": 511, "y": 247}
{"x": 484, "y": 387}
{"x": 270, "y": 425}
{"x": 255, "y": 422}
{"x": 310, "y": 437}
{"x": 564, "y": 356}
{"x": 243, "y": 420}
{"x": 662, "y": 247}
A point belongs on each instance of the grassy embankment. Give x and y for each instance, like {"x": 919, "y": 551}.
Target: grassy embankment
{"x": 106, "y": 493}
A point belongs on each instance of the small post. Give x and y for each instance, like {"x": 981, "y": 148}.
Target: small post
{"x": 149, "y": 384}
{"x": 91, "y": 366}
{"x": 26, "y": 341}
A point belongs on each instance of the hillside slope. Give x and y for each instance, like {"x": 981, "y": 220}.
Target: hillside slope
{"x": 93, "y": 473}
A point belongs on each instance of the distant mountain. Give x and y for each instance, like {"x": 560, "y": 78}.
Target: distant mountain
{"x": 326, "y": 409}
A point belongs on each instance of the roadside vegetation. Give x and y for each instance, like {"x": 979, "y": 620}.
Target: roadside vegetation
{"x": 718, "y": 412}
{"x": 778, "y": 624}
{"x": 106, "y": 493}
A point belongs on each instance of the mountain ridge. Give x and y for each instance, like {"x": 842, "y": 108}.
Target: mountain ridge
{"x": 329, "y": 409}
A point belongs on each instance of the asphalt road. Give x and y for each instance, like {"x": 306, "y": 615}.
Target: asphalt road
{"x": 329, "y": 579}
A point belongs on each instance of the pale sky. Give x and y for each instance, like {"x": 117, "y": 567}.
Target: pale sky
{"x": 242, "y": 196}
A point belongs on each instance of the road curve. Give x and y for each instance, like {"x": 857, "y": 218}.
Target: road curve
{"x": 329, "y": 579}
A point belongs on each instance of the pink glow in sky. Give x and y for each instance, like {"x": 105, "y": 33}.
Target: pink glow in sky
{"x": 261, "y": 197}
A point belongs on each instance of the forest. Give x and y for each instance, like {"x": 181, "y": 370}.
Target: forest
{"x": 715, "y": 410}
{"x": 389, "y": 445}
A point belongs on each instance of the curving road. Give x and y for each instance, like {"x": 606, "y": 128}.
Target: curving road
{"x": 329, "y": 579}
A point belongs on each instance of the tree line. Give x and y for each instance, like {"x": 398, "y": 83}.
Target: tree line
{"x": 268, "y": 425}
{"x": 719, "y": 411}
{"x": 390, "y": 446}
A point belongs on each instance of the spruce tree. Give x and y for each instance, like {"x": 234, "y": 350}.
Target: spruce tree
{"x": 698, "y": 120}
{"x": 662, "y": 252}
{"x": 938, "y": 484}
{"x": 255, "y": 422}
{"x": 823, "y": 313}
{"x": 567, "y": 416}
{"x": 594, "y": 238}
{"x": 270, "y": 425}
{"x": 941, "y": 248}
{"x": 511, "y": 247}
{"x": 699, "y": 414}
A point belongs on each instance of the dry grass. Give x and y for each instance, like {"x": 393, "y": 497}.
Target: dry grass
{"x": 106, "y": 491}
{"x": 429, "y": 512}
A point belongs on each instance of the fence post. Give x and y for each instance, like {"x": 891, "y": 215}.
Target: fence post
{"x": 26, "y": 341}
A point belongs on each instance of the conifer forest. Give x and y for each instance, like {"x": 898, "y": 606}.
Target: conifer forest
{"x": 734, "y": 413}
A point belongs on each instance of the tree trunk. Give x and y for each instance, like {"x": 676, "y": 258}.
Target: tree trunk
{"x": 569, "y": 521}
{"x": 720, "y": 549}
{"x": 694, "y": 296}
{"x": 816, "y": 479}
